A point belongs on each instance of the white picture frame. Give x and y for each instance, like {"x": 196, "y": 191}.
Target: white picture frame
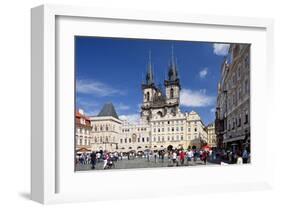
{"x": 53, "y": 182}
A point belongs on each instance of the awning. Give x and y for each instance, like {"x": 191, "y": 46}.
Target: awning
{"x": 238, "y": 138}
{"x": 83, "y": 149}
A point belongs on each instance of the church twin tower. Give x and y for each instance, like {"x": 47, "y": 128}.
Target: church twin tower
{"x": 156, "y": 102}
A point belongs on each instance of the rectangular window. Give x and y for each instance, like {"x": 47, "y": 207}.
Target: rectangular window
{"x": 239, "y": 72}
{"x": 246, "y": 118}
{"x": 246, "y": 86}
{"x": 143, "y": 139}
{"x": 239, "y": 121}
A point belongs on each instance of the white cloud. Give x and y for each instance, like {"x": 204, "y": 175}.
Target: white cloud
{"x": 203, "y": 73}
{"x": 197, "y": 98}
{"x": 122, "y": 106}
{"x": 212, "y": 110}
{"x": 131, "y": 118}
{"x": 220, "y": 49}
{"x": 97, "y": 88}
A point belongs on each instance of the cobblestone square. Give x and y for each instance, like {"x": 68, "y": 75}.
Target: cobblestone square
{"x": 141, "y": 163}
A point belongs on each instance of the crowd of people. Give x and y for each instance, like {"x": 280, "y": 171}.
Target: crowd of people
{"x": 232, "y": 156}
{"x": 108, "y": 158}
{"x": 175, "y": 157}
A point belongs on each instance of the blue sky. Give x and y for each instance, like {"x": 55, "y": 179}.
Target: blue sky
{"x": 112, "y": 70}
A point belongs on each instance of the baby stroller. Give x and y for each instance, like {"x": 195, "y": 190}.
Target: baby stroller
{"x": 110, "y": 164}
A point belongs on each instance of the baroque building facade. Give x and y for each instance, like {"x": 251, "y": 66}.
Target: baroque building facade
{"x": 162, "y": 125}
{"x": 211, "y": 135}
{"x": 83, "y": 132}
{"x": 233, "y": 101}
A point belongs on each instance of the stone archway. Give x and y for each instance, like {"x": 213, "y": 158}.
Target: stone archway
{"x": 170, "y": 147}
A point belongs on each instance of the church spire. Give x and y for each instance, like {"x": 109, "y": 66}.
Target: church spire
{"x": 149, "y": 74}
{"x": 172, "y": 72}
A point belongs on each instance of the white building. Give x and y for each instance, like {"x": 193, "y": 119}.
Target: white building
{"x": 162, "y": 123}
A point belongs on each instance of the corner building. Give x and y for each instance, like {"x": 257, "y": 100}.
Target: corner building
{"x": 161, "y": 124}
{"x": 233, "y": 101}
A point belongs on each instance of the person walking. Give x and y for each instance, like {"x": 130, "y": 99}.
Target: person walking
{"x": 105, "y": 160}
{"x": 245, "y": 156}
{"x": 93, "y": 159}
{"x": 174, "y": 158}
{"x": 189, "y": 156}
{"x": 204, "y": 157}
{"x": 98, "y": 156}
{"x": 239, "y": 160}
{"x": 169, "y": 158}
{"x": 155, "y": 156}
{"x": 182, "y": 156}
{"x": 162, "y": 156}
{"x": 195, "y": 155}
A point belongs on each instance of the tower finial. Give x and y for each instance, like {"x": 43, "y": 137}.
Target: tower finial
{"x": 173, "y": 58}
{"x": 149, "y": 56}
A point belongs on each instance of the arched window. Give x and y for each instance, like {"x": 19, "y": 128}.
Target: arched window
{"x": 159, "y": 113}
{"x": 147, "y": 96}
{"x": 172, "y": 93}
